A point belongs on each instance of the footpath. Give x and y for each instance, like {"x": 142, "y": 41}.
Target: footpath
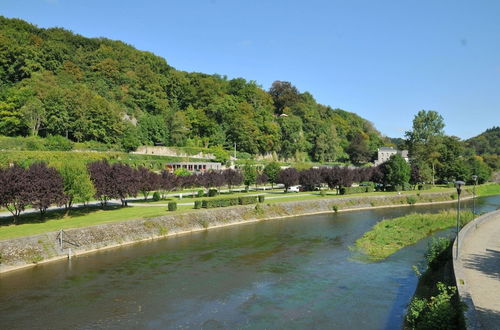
{"x": 477, "y": 271}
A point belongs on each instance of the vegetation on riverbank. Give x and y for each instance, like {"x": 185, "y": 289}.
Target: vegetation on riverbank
{"x": 488, "y": 189}
{"x": 436, "y": 304}
{"x": 391, "y": 235}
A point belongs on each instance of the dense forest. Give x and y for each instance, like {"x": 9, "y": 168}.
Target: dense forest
{"x": 487, "y": 145}
{"x": 55, "y": 82}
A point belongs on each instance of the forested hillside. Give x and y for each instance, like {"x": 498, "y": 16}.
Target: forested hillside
{"x": 54, "y": 82}
{"x": 487, "y": 145}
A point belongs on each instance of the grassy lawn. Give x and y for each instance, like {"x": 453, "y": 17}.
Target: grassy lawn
{"x": 31, "y": 224}
{"x": 488, "y": 189}
{"x": 391, "y": 235}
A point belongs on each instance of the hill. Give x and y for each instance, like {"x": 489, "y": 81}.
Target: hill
{"x": 487, "y": 145}
{"x": 55, "y": 82}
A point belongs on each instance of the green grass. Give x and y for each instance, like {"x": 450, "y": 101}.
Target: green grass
{"x": 391, "y": 235}
{"x": 488, "y": 189}
{"x": 80, "y": 217}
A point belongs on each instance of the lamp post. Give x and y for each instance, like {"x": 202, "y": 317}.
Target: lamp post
{"x": 474, "y": 178}
{"x": 459, "y": 185}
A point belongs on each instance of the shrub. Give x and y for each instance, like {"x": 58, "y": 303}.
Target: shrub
{"x": 411, "y": 200}
{"x": 220, "y": 202}
{"x": 197, "y": 204}
{"x": 352, "y": 190}
{"x": 212, "y": 192}
{"x": 261, "y": 198}
{"x": 58, "y": 143}
{"x": 453, "y": 196}
{"x": 335, "y": 208}
{"x": 424, "y": 186}
{"x": 436, "y": 313}
{"x": 156, "y": 196}
{"x": 436, "y": 253}
{"x": 200, "y": 193}
{"x": 172, "y": 206}
{"x": 245, "y": 200}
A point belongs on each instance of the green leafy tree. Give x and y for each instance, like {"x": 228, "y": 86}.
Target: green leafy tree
{"x": 396, "y": 171}
{"x": 249, "y": 174}
{"x": 76, "y": 182}
{"x": 33, "y": 114}
{"x": 272, "y": 170}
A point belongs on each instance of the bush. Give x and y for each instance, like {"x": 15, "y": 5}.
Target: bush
{"x": 424, "y": 186}
{"x": 200, "y": 193}
{"x": 156, "y": 196}
{"x": 219, "y": 202}
{"x": 212, "y": 192}
{"x": 197, "y": 204}
{"x": 436, "y": 313}
{"x": 353, "y": 190}
{"x": 411, "y": 200}
{"x": 172, "y": 206}
{"x": 58, "y": 143}
{"x": 247, "y": 200}
{"x": 335, "y": 208}
{"x": 261, "y": 198}
{"x": 437, "y": 252}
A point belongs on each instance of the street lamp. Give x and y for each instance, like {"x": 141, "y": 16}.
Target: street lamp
{"x": 459, "y": 185}
{"x": 474, "y": 178}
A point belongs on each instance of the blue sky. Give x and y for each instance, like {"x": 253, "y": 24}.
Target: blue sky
{"x": 384, "y": 60}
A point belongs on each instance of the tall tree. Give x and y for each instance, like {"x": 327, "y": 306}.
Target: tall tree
{"x": 272, "y": 170}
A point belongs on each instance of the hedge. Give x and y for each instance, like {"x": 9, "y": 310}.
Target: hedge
{"x": 197, "y": 204}
{"x": 261, "y": 198}
{"x": 355, "y": 190}
{"x": 424, "y": 186}
{"x": 212, "y": 192}
{"x": 245, "y": 200}
{"x": 219, "y": 202}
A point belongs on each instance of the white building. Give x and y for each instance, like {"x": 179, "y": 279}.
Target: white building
{"x": 384, "y": 153}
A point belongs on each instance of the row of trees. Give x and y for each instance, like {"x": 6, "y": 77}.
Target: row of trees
{"x": 41, "y": 186}
{"x": 439, "y": 157}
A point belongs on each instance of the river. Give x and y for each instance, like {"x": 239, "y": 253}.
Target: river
{"x": 289, "y": 273}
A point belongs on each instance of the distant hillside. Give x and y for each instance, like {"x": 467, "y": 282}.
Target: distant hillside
{"x": 487, "y": 142}
{"x": 54, "y": 82}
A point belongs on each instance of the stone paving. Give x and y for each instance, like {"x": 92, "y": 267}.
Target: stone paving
{"x": 479, "y": 258}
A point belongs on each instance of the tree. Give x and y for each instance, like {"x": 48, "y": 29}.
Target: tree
{"x": 76, "y": 182}
{"x": 478, "y": 167}
{"x": 249, "y": 174}
{"x": 45, "y": 187}
{"x": 396, "y": 171}
{"x": 33, "y": 113}
{"x": 425, "y": 125}
{"x": 288, "y": 177}
{"x": 284, "y": 94}
{"x": 272, "y": 170}
{"x": 147, "y": 181}
{"x": 358, "y": 150}
{"x": 310, "y": 178}
{"x": 14, "y": 190}
{"x": 233, "y": 178}
{"x": 262, "y": 179}
{"x": 102, "y": 179}
{"x": 125, "y": 182}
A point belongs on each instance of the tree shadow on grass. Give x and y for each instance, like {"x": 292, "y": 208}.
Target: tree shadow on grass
{"x": 487, "y": 263}
{"x": 36, "y": 217}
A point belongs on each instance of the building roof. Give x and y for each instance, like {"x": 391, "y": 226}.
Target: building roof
{"x": 386, "y": 149}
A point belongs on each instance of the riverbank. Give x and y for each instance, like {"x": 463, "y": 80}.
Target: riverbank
{"x": 28, "y": 251}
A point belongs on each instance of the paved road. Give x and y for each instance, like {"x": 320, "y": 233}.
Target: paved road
{"x": 480, "y": 257}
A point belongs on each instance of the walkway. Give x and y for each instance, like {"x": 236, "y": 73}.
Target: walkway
{"x": 478, "y": 270}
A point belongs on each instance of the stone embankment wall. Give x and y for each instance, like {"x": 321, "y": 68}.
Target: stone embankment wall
{"x": 23, "y": 251}
{"x": 167, "y": 151}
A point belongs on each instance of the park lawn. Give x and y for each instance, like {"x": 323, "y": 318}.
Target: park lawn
{"x": 488, "y": 189}
{"x": 56, "y": 220}
{"x": 391, "y": 235}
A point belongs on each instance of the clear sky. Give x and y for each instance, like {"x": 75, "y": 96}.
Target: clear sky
{"x": 384, "y": 60}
